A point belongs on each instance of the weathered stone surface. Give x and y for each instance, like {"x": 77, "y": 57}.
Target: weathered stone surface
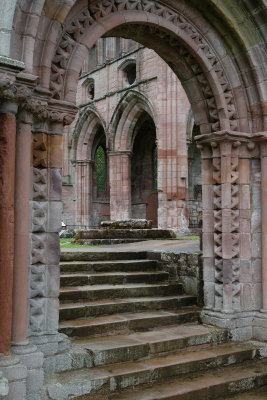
{"x": 127, "y": 224}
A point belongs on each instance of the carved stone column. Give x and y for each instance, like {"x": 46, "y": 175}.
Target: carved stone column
{"x": 7, "y": 185}
{"x": 120, "y": 185}
{"x": 84, "y": 192}
{"x": 46, "y": 206}
{"x": 228, "y": 284}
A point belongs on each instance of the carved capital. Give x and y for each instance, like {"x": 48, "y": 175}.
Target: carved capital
{"x": 226, "y": 143}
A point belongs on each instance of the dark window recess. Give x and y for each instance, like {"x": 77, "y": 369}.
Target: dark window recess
{"x": 101, "y": 169}
{"x": 130, "y": 72}
{"x": 155, "y": 168}
{"x": 197, "y": 192}
{"x": 91, "y": 90}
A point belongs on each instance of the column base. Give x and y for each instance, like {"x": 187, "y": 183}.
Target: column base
{"x": 15, "y": 373}
{"x": 32, "y": 359}
{"x": 239, "y": 324}
{"x": 260, "y": 326}
{"x": 55, "y": 350}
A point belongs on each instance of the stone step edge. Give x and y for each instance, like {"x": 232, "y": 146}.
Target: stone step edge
{"x": 78, "y": 357}
{"x": 141, "y": 348}
{"x": 101, "y": 256}
{"x": 230, "y": 380}
{"x": 97, "y": 321}
{"x": 119, "y": 381}
{"x": 128, "y": 300}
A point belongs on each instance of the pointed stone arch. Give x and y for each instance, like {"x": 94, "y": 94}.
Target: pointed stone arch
{"x": 125, "y": 118}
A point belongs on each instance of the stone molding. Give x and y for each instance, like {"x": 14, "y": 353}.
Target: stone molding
{"x": 99, "y": 9}
{"x": 222, "y": 152}
{"x": 24, "y": 96}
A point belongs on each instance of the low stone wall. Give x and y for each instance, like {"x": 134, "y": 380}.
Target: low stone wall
{"x": 186, "y": 268}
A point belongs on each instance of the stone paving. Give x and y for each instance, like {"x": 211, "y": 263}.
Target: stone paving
{"x": 173, "y": 245}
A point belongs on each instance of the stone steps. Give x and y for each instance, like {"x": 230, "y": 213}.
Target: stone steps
{"x": 119, "y": 278}
{"x": 105, "y": 291}
{"x": 259, "y": 394}
{"x": 218, "y": 384}
{"x": 133, "y": 304}
{"x": 109, "y": 266}
{"x": 78, "y": 256}
{"x": 116, "y": 378}
{"x": 127, "y": 322}
{"x": 141, "y": 345}
{"x": 109, "y": 233}
{"x": 136, "y": 336}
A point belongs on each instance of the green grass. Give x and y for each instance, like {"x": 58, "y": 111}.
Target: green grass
{"x": 189, "y": 238}
{"x": 68, "y": 243}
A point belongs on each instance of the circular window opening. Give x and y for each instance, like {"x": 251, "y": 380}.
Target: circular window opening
{"x": 130, "y": 72}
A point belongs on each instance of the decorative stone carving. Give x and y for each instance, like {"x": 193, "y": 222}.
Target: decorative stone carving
{"x": 100, "y": 9}
{"x": 226, "y": 148}
{"x": 37, "y": 315}
{"x": 37, "y": 281}
{"x": 39, "y": 216}
{"x": 38, "y": 248}
{"x": 39, "y": 184}
{"x": 40, "y": 149}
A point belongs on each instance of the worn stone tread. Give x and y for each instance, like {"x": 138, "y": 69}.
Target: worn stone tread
{"x": 130, "y": 374}
{"x": 127, "y": 322}
{"x": 259, "y": 394}
{"x": 118, "y": 348}
{"x": 107, "y": 286}
{"x": 162, "y": 334}
{"x": 114, "y": 278}
{"x": 216, "y": 384}
{"x": 126, "y": 317}
{"x": 126, "y": 301}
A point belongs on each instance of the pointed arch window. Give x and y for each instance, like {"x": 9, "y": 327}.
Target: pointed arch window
{"x": 101, "y": 168}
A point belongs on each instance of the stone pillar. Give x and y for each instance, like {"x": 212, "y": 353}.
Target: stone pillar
{"x": 46, "y": 207}
{"x": 22, "y": 230}
{"x": 120, "y": 185}
{"x": 27, "y": 353}
{"x": 263, "y": 155}
{"x": 230, "y": 293}
{"x": 84, "y": 192}
{"x": 7, "y": 185}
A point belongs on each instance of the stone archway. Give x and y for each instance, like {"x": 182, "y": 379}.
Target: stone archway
{"x": 89, "y": 130}
{"x": 215, "y": 92}
{"x": 221, "y": 68}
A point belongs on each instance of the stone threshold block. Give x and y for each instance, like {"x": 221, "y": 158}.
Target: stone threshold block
{"x": 127, "y": 224}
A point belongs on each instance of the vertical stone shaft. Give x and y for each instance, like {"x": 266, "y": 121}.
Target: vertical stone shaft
{"x": 208, "y": 226}
{"x": 22, "y": 229}
{"x": 7, "y": 181}
{"x": 264, "y": 223}
{"x": 120, "y": 185}
{"x": 84, "y": 201}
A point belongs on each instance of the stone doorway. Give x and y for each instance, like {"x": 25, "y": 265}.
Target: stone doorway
{"x": 144, "y": 172}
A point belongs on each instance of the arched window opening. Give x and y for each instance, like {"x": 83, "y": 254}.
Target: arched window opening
{"x": 130, "y": 73}
{"x": 91, "y": 90}
{"x": 101, "y": 169}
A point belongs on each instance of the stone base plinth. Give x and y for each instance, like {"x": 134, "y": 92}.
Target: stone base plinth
{"x": 141, "y": 234}
{"x": 127, "y": 224}
{"x": 242, "y": 325}
{"x": 16, "y": 374}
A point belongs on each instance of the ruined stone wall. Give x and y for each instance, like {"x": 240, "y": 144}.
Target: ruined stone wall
{"x": 164, "y": 101}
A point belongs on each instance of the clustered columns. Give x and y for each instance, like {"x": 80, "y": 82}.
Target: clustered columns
{"x": 84, "y": 177}
{"x": 120, "y": 184}
{"x": 228, "y": 277}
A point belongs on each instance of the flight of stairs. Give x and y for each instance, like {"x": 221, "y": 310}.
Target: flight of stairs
{"x": 136, "y": 336}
